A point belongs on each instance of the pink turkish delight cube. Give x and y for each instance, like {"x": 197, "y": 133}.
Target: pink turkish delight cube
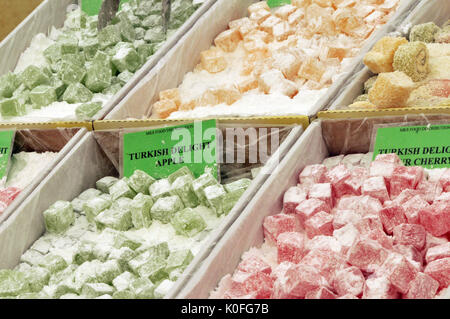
{"x": 411, "y": 253}
{"x": 376, "y": 188}
{"x": 383, "y": 169}
{"x": 323, "y": 192}
{"x": 290, "y": 247}
{"x": 349, "y": 281}
{"x": 429, "y": 190}
{"x": 278, "y": 224}
{"x": 367, "y": 255}
{"x": 259, "y": 283}
{"x": 422, "y": 287}
{"x": 412, "y": 208}
{"x": 438, "y": 252}
{"x": 296, "y": 281}
{"x": 370, "y": 206}
{"x": 346, "y": 237}
{"x": 389, "y": 158}
{"x": 344, "y": 217}
{"x": 391, "y": 216}
{"x": 436, "y": 218}
{"x": 354, "y": 183}
{"x": 337, "y": 176}
{"x": 405, "y": 177}
{"x": 405, "y": 196}
{"x": 326, "y": 243}
{"x": 313, "y": 174}
{"x": 320, "y": 224}
{"x": 379, "y": 287}
{"x": 368, "y": 224}
{"x": 440, "y": 271}
{"x": 309, "y": 208}
{"x": 293, "y": 196}
{"x": 400, "y": 271}
{"x": 380, "y": 236}
{"x": 444, "y": 180}
{"x": 320, "y": 293}
{"x": 410, "y": 234}
{"x": 326, "y": 262}
{"x": 254, "y": 264}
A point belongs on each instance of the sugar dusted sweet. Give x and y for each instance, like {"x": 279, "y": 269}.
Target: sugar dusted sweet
{"x": 422, "y": 287}
{"x": 435, "y": 218}
{"x": 438, "y": 252}
{"x": 367, "y": 255}
{"x": 400, "y": 272}
{"x": 277, "y": 224}
{"x": 312, "y": 174}
{"x": 440, "y": 271}
{"x": 410, "y": 234}
{"x": 309, "y": 208}
{"x": 392, "y": 216}
{"x": 319, "y": 224}
{"x": 290, "y": 247}
{"x": 391, "y": 90}
{"x": 376, "y": 188}
{"x": 349, "y": 281}
{"x": 381, "y": 57}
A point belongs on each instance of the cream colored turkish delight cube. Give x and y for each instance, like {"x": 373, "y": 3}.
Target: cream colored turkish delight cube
{"x": 282, "y": 31}
{"x": 243, "y": 25}
{"x": 171, "y": 94}
{"x": 285, "y": 11}
{"x": 261, "y": 5}
{"x": 269, "y": 23}
{"x": 273, "y": 81}
{"x": 228, "y": 40}
{"x": 162, "y": 109}
{"x": 260, "y": 16}
{"x": 213, "y": 60}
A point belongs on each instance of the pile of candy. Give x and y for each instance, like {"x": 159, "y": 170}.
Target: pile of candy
{"x": 287, "y": 52}
{"x": 349, "y": 231}
{"x": 409, "y": 74}
{"x": 84, "y": 66}
{"x": 128, "y": 238}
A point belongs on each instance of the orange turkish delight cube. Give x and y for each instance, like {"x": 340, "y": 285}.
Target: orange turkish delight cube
{"x": 244, "y": 26}
{"x": 380, "y": 58}
{"x": 287, "y": 62}
{"x": 227, "y": 95}
{"x": 208, "y": 98}
{"x": 273, "y": 81}
{"x": 269, "y": 23}
{"x": 260, "y": 16}
{"x": 335, "y": 51}
{"x": 258, "y": 35}
{"x": 187, "y": 106}
{"x": 285, "y": 11}
{"x": 164, "y": 108}
{"x": 282, "y": 31}
{"x": 248, "y": 85}
{"x": 213, "y": 61}
{"x": 261, "y": 5}
{"x": 312, "y": 69}
{"x": 228, "y": 40}
{"x": 171, "y": 94}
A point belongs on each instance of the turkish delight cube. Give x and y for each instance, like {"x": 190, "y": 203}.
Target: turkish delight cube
{"x": 366, "y": 254}
{"x": 323, "y": 192}
{"x": 382, "y": 168}
{"x": 277, "y": 224}
{"x": 290, "y": 247}
{"x": 214, "y": 195}
{"x": 59, "y": 216}
{"x": 333, "y": 161}
{"x": 94, "y": 290}
{"x": 309, "y": 208}
{"x": 155, "y": 35}
{"x": 438, "y": 252}
{"x": 444, "y": 180}
{"x": 163, "y": 288}
{"x": 154, "y": 269}
{"x": 188, "y": 222}
{"x": 77, "y": 93}
{"x": 228, "y": 40}
{"x": 229, "y": 201}
{"x": 179, "y": 259}
{"x": 160, "y": 188}
{"x": 114, "y": 218}
{"x": 109, "y": 36}
{"x": 410, "y": 234}
{"x": 127, "y": 59}
{"x": 123, "y": 281}
{"x": 400, "y": 272}
{"x": 254, "y": 264}
{"x": 11, "y": 107}
{"x": 337, "y": 177}
{"x": 326, "y": 261}
{"x": 165, "y": 207}
{"x": 292, "y": 198}
{"x": 98, "y": 78}
{"x": 87, "y": 111}
{"x": 90, "y": 47}
{"x": 238, "y": 186}
{"x": 440, "y": 271}
{"x": 105, "y": 183}
{"x": 258, "y": 283}
{"x": 213, "y": 61}
{"x": 349, "y": 281}
{"x": 342, "y": 217}
{"x": 346, "y": 236}
{"x": 412, "y": 208}
{"x": 140, "y": 210}
{"x": 8, "y": 84}
{"x": 37, "y": 278}
{"x": 33, "y": 76}
{"x": 405, "y": 177}
{"x": 422, "y": 287}
{"x": 182, "y": 187}
{"x": 375, "y": 187}
{"x": 379, "y": 288}
{"x": 391, "y": 216}
{"x": 319, "y": 224}
{"x": 142, "y": 288}
{"x": 53, "y": 263}
{"x": 140, "y": 182}
{"x": 71, "y": 73}
{"x": 121, "y": 189}
{"x": 12, "y": 283}
{"x": 436, "y": 218}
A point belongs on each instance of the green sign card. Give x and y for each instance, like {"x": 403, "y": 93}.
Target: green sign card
{"x": 277, "y": 3}
{"x": 92, "y": 7}
{"x": 160, "y": 152}
{"x": 427, "y": 146}
{"x": 6, "y": 144}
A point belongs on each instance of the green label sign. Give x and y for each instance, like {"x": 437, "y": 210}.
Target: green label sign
{"x": 92, "y": 7}
{"x": 427, "y": 146}
{"x": 162, "y": 151}
{"x": 277, "y": 3}
{"x": 6, "y": 144}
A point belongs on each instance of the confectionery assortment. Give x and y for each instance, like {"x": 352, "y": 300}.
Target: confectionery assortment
{"x": 353, "y": 226}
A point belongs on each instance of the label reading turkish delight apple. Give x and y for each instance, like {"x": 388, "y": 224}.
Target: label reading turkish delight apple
{"x": 160, "y": 152}
{"x": 277, "y": 3}
{"x": 427, "y": 146}
{"x": 6, "y": 145}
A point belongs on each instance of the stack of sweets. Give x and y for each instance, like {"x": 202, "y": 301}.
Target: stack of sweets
{"x": 78, "y": 68}
{"x": 353, "y": 229}
{"x": 412, "y": 73}
{"x": 127, "y": 238}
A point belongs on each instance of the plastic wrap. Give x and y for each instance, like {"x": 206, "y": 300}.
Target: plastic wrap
{"x": 437, "y": 11}
{"x": 53, "y": 13}
{"x": 184, "y": 56}
{"x": 86, "y": 163}
{"x": 328, "y": 137}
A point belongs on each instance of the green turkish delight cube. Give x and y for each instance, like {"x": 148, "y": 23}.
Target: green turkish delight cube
{"x": 147, "y": 253}
{"x": 89, "y": 47}
{"x": 98, "y": 78}
{"x": 188, "y": 222}
{"x": 31, "y": 257}
{"x": 59, "y": 216}
{"x": 154, "y": 269}
{"x": 155, "y": 35}
{"x": 163, "y": 288}
{"x": 122, "y": 240}
{"x": 43, "y": 95}
{"x": 58, "y": 85}
{"x": 182, "y": 187}
{"x": 74, "y": 58}
{"x": 87, "y": 111}
{"x": 69, "y": 44}
{"x": 152, "y": 21}
{"x": 140, "y": 33}
{"x": 124, "y": 77}
{"x": 84, "y": 252}
{"x": 95, "y": 206}
{"x": 201, "y": 183}
{"x": 140, "y": 181}
{"x": 109, "y": 36}
{"x": 115, "y": 219}
{"x": 179, "y": 259}
{"x": 71, "y": 73}
{"x": 89, "y": 194}
{"x": 33, "y": 76}
{"x": 105, "y": 183}
{"x": 229, "y": 200}
{"x": 123, "y": 256}
{"x": 238, "y": 186}
{"x": 144, "y": 49}
{"x": 92, "y": 22}
{"x": 13, "y": 283}
{"x": 181, "y": 10}
{"x": 122, "y": 203}
{"x": 127, "y": 31}
{"x": 112, "y": 90}
{"x": 62, "y": 275}
{"x": 107, "y": 271}
{"x": 160, "y": 188}
{"x": 144, "y": 8}
{"x": 94, "y": 290}
{"x": 124, "y": 294}
{"x": 78, "y": 205}
{"x": 127, "y": 59}
{"x": 76, "y": 20}
{"x": 165, "y": 208}
{"x": 214, "y": 195}
{"x": 180, "y": 172}
{"x": 140, "y": 211}
{"x": 77, "y": 93}
{"x": 11, "y": 107}
{"x": 142, "y": 288}
{"x": 8, "y": 84}
{"x": 103, "y": 59}
{"x": 123, "y": 281}
{"x": 121, "y": 189}
{"x": 53, "y": 263}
